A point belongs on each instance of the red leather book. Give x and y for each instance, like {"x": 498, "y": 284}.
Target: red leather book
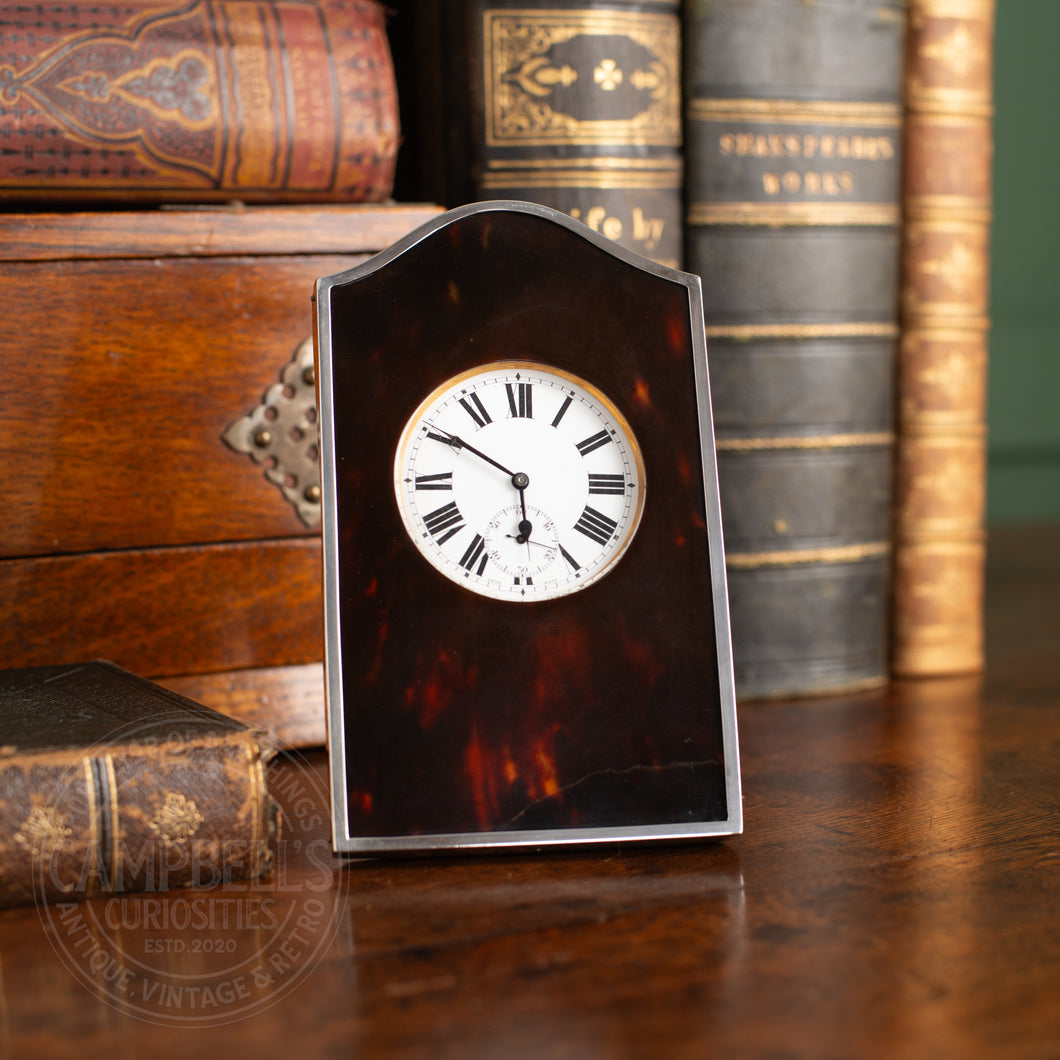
{"x": 263, "y": 102}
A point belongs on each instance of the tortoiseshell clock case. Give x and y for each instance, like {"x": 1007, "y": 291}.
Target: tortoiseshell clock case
{"x": 458, "y": 721}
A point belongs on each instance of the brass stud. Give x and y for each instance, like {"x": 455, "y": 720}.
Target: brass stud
{"x": 312, "y": 494}
{"x": 263, "y": 438}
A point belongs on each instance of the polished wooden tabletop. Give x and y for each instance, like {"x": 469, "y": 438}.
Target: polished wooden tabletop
{"x": 896, "y": 893}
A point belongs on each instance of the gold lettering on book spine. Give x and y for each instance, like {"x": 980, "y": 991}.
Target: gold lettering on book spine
{"x": 819, "y": 159}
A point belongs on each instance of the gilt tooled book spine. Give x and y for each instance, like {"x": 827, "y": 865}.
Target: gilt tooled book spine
{"x": 209, "y": 101}
{"x": 573, "y": 105}
{"x": 940, "y": 548}
{"x": 793, "y": 134}
{"x": 109, "y": 783}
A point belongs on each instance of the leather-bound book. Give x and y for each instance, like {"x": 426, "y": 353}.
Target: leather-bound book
{"x": 147, "y": 100}
{"x": 940, "y": 548}
{"x": 575, "y": 105}
{"x": 110, "y": 783}
{"x": 794, "y": 142}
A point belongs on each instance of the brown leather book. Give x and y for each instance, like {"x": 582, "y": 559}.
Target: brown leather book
{"x": 109, "y": 783}
{"x": 573, "y": 105}
{"x": 940, "y": 548}
{"x": 263, "y": 102}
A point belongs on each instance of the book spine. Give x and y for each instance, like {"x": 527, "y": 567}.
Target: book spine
{"x": 573, "y": 105}
{"x": 940, "y": 549}
{"x": 177, "y": 813}
{"x": 793, "y": 133}
{"x": 264, "y": 102}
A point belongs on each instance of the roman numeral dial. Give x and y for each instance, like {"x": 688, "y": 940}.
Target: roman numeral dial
{"x": 520, "y": 399}
{"x": 441, "y": 480}
{"x": 595, "y": 525}
{"x": 472, "y": 405}
{"x": 607, "y": 484}
{"x": 519, "y": 482}
{"x": 444, "y": 522}
{"x": 592, "y": 443}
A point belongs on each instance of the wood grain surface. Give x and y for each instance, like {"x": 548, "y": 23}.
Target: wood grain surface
{"x": 170, "y": 611}
{"x": 135, "y": 369}
{"x": 206, "y": 231}
{"x": 132, "y": 341}
{"x": 896, "y": 894}
{"x": 287, "y": 701}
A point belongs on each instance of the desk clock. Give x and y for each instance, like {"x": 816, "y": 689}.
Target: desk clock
{"x": 527, "y": 639}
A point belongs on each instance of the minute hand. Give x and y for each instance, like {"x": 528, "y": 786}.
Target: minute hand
{"x": 459, "y": 443}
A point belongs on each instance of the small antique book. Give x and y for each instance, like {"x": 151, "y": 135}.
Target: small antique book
{"x": 110, "y": 783}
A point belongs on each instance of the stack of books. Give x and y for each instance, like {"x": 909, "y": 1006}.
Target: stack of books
{"x": 830, "y": 183}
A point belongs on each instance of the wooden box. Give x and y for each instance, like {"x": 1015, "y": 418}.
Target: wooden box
{"x": 130, "y": 343}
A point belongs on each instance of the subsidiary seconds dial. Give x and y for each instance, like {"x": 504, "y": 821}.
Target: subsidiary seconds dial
{"x": 519, "y": 481}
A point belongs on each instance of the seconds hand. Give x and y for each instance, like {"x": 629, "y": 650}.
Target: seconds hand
{"x": 520, "y": 479}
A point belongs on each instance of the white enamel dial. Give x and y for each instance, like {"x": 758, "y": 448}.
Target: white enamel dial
{"x": 519, "y": 481}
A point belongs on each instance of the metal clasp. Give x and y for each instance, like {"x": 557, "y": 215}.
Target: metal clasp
{"x": 282, "y": 433}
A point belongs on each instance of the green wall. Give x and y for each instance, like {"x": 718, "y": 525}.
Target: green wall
{"x": 1024, "y": 413}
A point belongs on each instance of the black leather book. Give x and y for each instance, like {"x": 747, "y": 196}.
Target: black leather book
{"x": 793, "y": 134}
{"x": 575, "y": 105}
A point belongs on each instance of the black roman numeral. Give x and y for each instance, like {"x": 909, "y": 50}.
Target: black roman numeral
{"x": 442, "y": 481}
{"x": 445, "y": 439}
{"x": 574, "y": 564}
{"x": 446, "y": 521}
{"x": 476, "y": 410}
{"x": 562, "y": 410}
{"x": 475, "y": 550}
{"x": 595, "y": 525}
{"x": 594, "y": 441}
{"x": 615, "y": 484}
{"x": 520, "y": 400}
